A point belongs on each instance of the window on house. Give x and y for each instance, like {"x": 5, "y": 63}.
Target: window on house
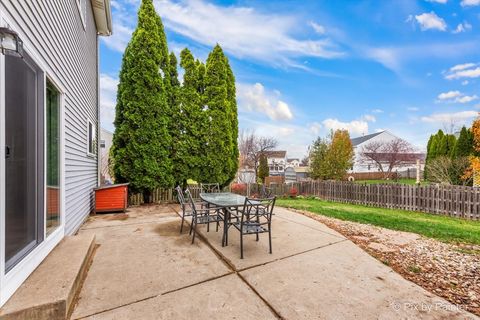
{"x": 90, "y": 138}
{"x": 102, "y": 144}
{"x": 53, "y": 158}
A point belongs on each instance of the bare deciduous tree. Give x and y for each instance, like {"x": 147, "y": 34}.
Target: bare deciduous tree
{"x": 252, "y": 147}
{"x": 446, "y": 170}
{"x": 389, "y": 155}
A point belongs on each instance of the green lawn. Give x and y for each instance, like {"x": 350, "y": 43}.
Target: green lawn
{"x": 438, "y": 227}
{"x": 399, "y": 181}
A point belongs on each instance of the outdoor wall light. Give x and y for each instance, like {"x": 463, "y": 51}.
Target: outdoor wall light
{"x": 10, "y": 43}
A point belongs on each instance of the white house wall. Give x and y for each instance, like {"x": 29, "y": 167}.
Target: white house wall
{"x": 68, "y": 52}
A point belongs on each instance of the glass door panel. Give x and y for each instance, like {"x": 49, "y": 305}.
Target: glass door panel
{"x": 23, "y": 163}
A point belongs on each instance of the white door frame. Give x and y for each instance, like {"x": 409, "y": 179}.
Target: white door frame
{"x": 9, "y": 282}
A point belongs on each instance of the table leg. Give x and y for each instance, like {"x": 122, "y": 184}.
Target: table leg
{"x": 226, "y": 219}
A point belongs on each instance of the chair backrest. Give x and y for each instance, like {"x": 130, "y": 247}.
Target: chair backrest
{"x": 180, "y": 197}
{"x": 266, "y": 192}
{"x": 209, "y": 187}
{"x": 190, "y": 200}
{"x": 258, "y": 207}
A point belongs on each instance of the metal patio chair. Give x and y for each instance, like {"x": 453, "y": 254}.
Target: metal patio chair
{"x": 210, "y": 187}
{"x": 254, "y": 218}
{"x": 202, "y": 215}
{"x": 186, "y": 206}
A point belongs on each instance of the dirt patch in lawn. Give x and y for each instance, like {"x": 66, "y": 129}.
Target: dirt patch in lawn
{"x": 451, "y": 271}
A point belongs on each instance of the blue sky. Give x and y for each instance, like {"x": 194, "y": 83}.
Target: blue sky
{"x": 409, "y": 66}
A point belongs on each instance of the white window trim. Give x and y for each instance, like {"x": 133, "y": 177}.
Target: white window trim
{"x": 12, "y": 280}
{"x": 83, "y": 15}
{"x": 94, "y": 133}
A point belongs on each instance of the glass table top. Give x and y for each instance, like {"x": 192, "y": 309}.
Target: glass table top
{"x": 223, "y": 199}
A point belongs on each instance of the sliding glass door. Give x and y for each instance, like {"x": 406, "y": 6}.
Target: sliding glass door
{"x": 24, "y": 164}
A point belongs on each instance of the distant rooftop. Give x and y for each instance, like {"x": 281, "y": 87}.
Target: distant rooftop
{"x": 362, "y": 139}
{"x": 277, "y": 154}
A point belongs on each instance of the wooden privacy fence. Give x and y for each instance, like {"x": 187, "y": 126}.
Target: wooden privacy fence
{"x": 456, "y": 201}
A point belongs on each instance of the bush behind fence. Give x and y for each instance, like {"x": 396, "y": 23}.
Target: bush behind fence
{"x": 456, "y": 201}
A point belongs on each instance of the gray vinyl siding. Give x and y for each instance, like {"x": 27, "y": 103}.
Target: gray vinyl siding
{"x": 55, "y": 31}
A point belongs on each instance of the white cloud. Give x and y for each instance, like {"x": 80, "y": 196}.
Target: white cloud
{"x": 466, "y": 3}
{"x": 108, "y": 98}
{"x": 317, "y": 28}
{"x": 315, "y": 128}
{"x": 430, "y": 21}
{"x": 244, "y": 32}
{"x": 413, "y": 109}
{"x": 377, "y": 111}
{"x": 466, "y": 70}
{"x": 449, "y": 95}
{"x": 355, "y": 127}
{"x": 462, "y": 27}
{"x": 256, "y": 98}
{"x": 369, "y": 118}
{"x": 455, "y": 97}
{"x": 441, "y": 118}
{"x": 465, "y": 82}
{"x": 463, "y": 66}
{"x": 467, "y": 99}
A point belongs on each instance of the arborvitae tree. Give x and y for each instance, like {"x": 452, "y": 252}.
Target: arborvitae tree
{"x": 464, "y": 145}
{"x": 451, "y": 140}
{"x": 318, "y": 154}
{"x": 428, "y": 157}
{"x": 141, "y": 142}
{"x": 263, "y": 170}
{"x": 188, "y": 157}
{"x": 442, "y": 145}
{"x": 219, "y": 142}
{"x": 232, "y": 100}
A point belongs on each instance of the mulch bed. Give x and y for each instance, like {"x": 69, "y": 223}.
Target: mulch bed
{"x": 451, "y": 271}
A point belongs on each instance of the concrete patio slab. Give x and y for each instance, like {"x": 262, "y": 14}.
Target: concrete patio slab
{"x": 291, "y": 234}
{"x": 341, "y": 281}
{"x": 224, "y": 298}
{"x": 138, "y": 214}
{"x": 141, "y": 260}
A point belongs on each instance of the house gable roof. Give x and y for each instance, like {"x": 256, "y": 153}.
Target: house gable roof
{"x": 360, "y": 140}
{"x": 277, "y": 154}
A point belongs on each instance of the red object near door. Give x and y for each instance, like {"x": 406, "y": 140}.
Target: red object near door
{"x": 111, "y": 198}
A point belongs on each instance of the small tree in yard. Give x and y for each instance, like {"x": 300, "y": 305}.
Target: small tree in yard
{"x": 339, "y": 157}
{"x": 142, "y": 141}
{"x": 252, "y": 147}
{"x": 331, "y": 158}
{"x": 318, "y": 154}
{"x": 389, "y": 155}
{"x": 263, "y": 170}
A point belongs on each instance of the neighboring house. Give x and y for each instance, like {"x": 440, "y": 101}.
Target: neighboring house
{"x": 49, "y": 116}
{"x": 106, "y": 138}
{"x": 362, "y": 166}
{"x": 277, "y": 162}
{"x": 293, "y": 163}
{"x": 303, "y": 173}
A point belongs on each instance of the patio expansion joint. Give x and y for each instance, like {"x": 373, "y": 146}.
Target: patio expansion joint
{"x": 129, "y": 224}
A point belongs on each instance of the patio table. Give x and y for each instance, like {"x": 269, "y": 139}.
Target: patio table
{"x": 224, "y": 200}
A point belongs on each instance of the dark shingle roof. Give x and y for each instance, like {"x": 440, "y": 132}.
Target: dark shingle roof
{"x": 359, "y": 140}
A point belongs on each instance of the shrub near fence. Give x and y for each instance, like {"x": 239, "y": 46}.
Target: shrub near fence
{"x": 456, "y": 201}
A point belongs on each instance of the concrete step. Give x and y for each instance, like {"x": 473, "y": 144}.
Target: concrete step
{"x": 50, "y": 291}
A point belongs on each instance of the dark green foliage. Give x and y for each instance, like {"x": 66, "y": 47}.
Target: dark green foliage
{"x": 189, "y": 120}
{"x": 233, "y": 117}
{"x": 221, "y": 156}
{"x": 318, "y": 155}
{"x": 263, "y": 170}
{"x": 464, "y": 145}
{"x": 442, "y": 146}
{"x": 142, "y": 141}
